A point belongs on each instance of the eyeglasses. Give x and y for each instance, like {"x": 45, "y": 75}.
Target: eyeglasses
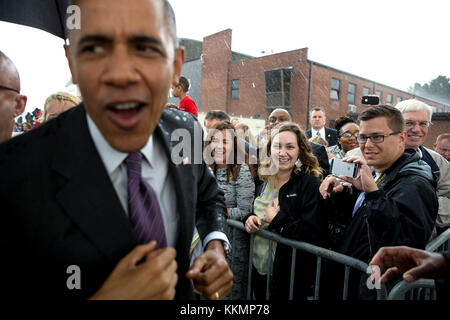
{"x": 376, "y": 138}
{"x": 422, "y": 124}
{"x": 8, "y": 88}
{"x": 349, "y": 134}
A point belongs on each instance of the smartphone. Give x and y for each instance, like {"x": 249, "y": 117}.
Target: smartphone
{"x": 372, "y": 100}
{"x": 341, "y": 168}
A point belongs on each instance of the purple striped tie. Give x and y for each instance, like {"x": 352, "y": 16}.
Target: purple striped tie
{"x": 143, "y": 206}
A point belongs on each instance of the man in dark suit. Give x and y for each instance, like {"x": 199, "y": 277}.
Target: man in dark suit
{"x": 67, "y": 226}
{"x": 281, "y": 115}
{"x": 317, "y": 120}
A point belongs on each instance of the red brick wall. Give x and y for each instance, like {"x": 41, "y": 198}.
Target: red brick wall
{"x": 216, "y": 57}
{"x": 218, "y": 70}
{"x": 252, "y": 99}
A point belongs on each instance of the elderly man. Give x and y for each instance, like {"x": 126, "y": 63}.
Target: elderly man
{"x": 417, "y": 117}
{"x": 395, "y": 205}
{"x": 92, "y": 205}
{"x": 12, "y": 103}
{"x": 442, "y": 145}
{"x": 317, "y": 120}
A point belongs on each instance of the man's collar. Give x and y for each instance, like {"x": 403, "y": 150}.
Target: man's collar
{"x": 111, "y": 157}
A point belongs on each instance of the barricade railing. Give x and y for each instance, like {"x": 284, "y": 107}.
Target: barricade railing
{"x": 319, "y": 252}
{"x": 422, "y": 289}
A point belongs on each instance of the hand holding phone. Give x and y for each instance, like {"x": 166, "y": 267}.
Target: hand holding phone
{"x": 342, "y": 168}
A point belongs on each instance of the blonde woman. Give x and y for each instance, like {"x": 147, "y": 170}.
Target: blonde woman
{"x": 289, "y": 203}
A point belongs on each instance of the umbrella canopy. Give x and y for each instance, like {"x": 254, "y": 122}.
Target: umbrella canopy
{"x": 48, "y": 15}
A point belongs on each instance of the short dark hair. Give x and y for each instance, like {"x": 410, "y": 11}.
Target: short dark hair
{"x": 169, "y": 17}
{"x": 317, "y": 109}
{"x": 393, "y": 115}
{"x": 342, "y": 121}
{"x": 183, "y": 82}
{"x": 217, "y": 114}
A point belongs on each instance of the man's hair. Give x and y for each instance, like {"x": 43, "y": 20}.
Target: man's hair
{"x": 217, "y": 114}
{"x": 317, "y": 109}
{"x": 414, "y": 105}
{"x": 442, "y": 137}
{"x": 393, "y": 115}
{"x": 183, "y": 82}
{"x": 169, "y": 17}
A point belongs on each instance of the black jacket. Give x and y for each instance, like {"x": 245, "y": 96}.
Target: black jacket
{"x": 401, "y": 212}
{"x": 59, "y": 208}
{"x": 300, "y": 218}
{"x": 330, "y": 133}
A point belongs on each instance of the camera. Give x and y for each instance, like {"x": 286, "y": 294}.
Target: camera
{"x": 372, "y": 100}
{"x": 341, "y": 168}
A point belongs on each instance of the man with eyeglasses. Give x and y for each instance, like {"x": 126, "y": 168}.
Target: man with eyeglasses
{"x": 12, "y": 103}
{"x": 396, "y": 204}
{"x": 417, "y": 117}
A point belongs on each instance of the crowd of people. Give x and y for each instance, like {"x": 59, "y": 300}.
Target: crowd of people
{"x": 105, "y": 196}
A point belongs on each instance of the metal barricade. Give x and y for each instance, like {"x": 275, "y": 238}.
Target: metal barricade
{"x": 422, "y": 289}
{"x": 319, "y": 252}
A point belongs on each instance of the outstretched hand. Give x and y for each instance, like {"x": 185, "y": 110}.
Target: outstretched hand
{"x": 412, "y": 263}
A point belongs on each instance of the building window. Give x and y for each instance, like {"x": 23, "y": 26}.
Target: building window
{"x": 335, "y": 88}
{"x": 379, "y": 94}
{"x": 366, "y": 91}
{"x": 278, "y": 87}
{"x": 399, "y": 99}
{"x": 351, "y": 93}
{"x": 389, "y": 98}
{"x": 235, "y": 89}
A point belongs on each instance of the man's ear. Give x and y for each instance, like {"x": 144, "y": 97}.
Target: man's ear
{"x": 69, "y": 61}
{"x": 21, "y": 102}
{"x": 177, "y": 65}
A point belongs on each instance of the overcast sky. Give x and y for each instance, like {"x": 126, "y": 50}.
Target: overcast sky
{"x": 396, "y": 43}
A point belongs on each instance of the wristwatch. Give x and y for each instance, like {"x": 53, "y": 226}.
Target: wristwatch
{"x": 226, "y": 248}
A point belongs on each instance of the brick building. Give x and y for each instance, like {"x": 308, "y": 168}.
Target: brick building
{"x": 251, "y": 87}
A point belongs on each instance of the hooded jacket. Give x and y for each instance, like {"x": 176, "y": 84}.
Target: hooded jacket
{"x": 401, "y": 212}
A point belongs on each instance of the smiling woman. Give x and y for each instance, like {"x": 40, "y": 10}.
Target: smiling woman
{"x": 288, "y": 202}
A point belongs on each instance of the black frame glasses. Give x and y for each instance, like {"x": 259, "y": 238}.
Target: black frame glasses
{"x": 8, "y": 88}
{"x": 376, "y": 138}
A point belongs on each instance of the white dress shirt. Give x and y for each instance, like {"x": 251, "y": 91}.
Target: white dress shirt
{"x": 321, "y": 132}
{"x": 158, "y": 177}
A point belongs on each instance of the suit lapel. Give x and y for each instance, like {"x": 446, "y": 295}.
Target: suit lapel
{"x": 88, "y": 196}
{"x": 182, "y": 177}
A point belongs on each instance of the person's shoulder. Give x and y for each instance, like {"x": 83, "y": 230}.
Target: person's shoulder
{"x": 176, "y": 119}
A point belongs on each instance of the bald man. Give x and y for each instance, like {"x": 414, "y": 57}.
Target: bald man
{"x": 12, "y": 103}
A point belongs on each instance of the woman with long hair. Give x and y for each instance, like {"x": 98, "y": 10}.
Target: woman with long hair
{"x": 235, "y": 176}
{"x": 288, "y": 203}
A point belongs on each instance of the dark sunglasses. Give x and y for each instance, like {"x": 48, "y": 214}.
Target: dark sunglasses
{"x": 8, "y": 88}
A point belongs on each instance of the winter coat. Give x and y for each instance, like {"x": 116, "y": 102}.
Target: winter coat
{"x": 401, "y": 212}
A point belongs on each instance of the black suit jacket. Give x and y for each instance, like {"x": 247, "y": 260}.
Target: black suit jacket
{"x": 59, "y": 208}
{"x": 321, "y": 154}
{"x": 331, "y": 136}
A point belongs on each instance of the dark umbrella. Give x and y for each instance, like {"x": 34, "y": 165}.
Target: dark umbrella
{"x": 48, "y": 15}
